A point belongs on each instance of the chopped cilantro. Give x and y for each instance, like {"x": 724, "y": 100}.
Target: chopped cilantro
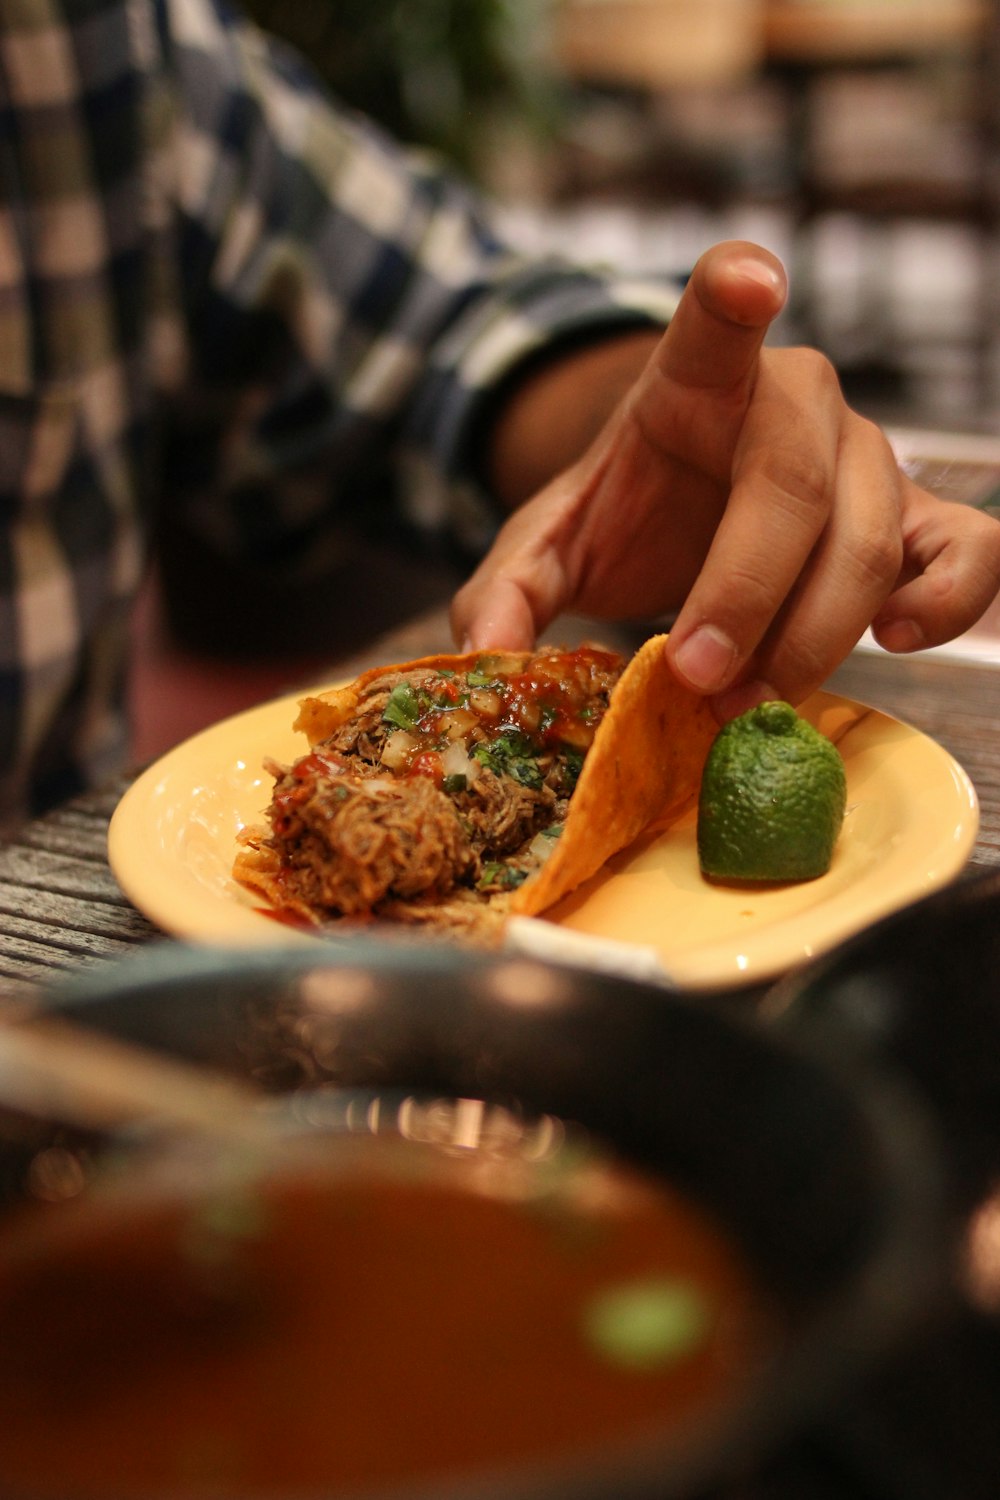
{"x": 477, "y": 678}
{"x": 403, "y": 707}
{"x": 511, "y": 755}
{"x": 507, "y": 877}
{"x": 554, "y": 831}
{"x": 455, "y": 783}
{"x": 445, "y": 672}
{"x": 572, "y": 766}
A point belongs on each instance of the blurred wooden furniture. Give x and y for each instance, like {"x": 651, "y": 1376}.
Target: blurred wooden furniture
{"x": 629, "y": 61}
{"x": 930, "y": 146}
{"x": 657, "y": 44}
{"x": 815, "y": 31}
{"x": 945, "y": 172}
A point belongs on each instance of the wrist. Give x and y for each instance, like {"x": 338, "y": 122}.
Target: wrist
{"x": 555, "y": 407}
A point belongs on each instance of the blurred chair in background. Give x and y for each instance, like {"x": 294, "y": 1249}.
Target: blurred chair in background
{"x": 657, "y": 43}
{"x": 650, "y": 58}
{"x": 885, "y": 113}
{"x": 892, "y": 117}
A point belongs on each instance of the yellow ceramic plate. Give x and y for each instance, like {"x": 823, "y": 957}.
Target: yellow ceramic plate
{"x": 911, "y": 821}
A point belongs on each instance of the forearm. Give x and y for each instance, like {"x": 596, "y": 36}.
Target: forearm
{"x": 549, "y": 417}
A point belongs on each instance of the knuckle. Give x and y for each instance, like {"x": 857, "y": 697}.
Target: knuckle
{"x": 804, "y": 659}
{"x": 799, "y": 483}
{"x": 876, "y": 556}
{"x": 867, "y": 429}
{"x": 750, "y": 591}
{"x": 816, "y": 377}
{"x": 819, "y": 368}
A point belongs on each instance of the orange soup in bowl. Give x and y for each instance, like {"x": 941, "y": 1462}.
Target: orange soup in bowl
{"x": 355, "y": 1311}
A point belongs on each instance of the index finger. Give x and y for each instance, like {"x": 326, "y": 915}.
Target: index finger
{"x": 693, "y": 396}
{"x": 782, "y": 491}
{"x": 735, "y": 292}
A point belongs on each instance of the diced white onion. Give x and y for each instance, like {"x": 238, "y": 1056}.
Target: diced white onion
{"x": 530, "y": 715}
{"x": 456, "y": 722}
{"x": 541, "y": 846}
{"x": 455, "y": 761}
{"x": 397, "y": 749}
{"x": 486, "y": 702}
{"x": 580, "y": 736}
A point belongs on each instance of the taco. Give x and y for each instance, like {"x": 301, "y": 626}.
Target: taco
{"x": 455, "y": 790}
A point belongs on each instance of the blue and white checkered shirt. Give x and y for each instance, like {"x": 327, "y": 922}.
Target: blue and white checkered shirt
{"x": 221, "y": 293}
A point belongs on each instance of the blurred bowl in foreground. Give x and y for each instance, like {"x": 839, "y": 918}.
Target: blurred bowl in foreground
{"x": 918, "y": 993}
{"x": 534, "y": 1233}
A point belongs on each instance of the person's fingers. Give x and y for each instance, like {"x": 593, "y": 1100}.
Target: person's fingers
{"x": 500, "y": 620}
{"x": 688, "y": 406}
{"x": 595, "y": 538}
{"x": 852, "y": 569}
{"x": 693, "y": 395}
{"x": 734, "y": 293}
{"x": 785, "y": 478}
{"x": 522, "y": 583}
{"x": 951, "y": 576}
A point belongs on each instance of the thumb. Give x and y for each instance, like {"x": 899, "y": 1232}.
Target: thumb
{"x": 521, "y": 584}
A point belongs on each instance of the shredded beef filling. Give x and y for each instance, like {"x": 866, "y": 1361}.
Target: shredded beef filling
{"x": 349, "y": 845}
{"x": 352, "y": 836}
{"x": 501, "y": 815}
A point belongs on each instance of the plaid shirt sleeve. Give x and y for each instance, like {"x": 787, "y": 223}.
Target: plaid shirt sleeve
{"x": 221, "y": 295}
{"x": 353, "y": 299}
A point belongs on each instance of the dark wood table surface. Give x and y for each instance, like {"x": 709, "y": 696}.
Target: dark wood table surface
{"x": 61, "y": 908}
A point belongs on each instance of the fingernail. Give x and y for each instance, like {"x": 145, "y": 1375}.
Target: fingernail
{"x": 900, "y": 635}
{"x": 466, "y": 644}
{"x": 763, "y": 274}
{"x": 706, "y": 659}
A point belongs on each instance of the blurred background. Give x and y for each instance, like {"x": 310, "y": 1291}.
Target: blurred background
{"x": 858, "y": 139}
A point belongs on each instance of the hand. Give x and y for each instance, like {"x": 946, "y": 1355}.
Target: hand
{"x": 733, "y": 483}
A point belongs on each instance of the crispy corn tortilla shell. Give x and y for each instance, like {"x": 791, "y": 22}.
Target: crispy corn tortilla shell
{"x": 643, "y": 767}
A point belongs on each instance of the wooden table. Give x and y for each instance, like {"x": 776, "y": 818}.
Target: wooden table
{"x": 61, "y": 909}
